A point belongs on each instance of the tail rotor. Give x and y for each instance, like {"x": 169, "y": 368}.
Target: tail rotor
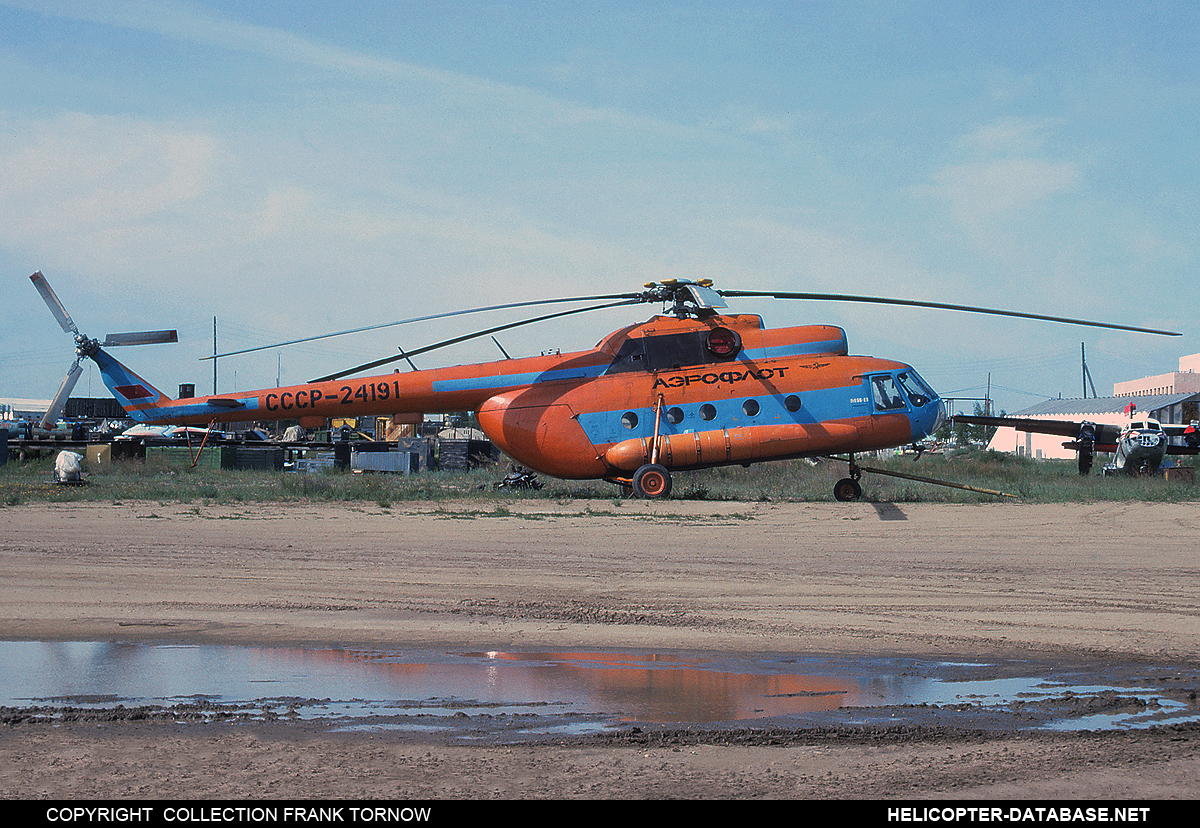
{"x": 84, "y": 346}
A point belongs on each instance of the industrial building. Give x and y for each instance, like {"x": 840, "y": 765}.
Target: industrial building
{"x": 1184, "y": 381}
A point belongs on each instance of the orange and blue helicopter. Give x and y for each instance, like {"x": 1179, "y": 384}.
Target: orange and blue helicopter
{"x": 690, "y": 388}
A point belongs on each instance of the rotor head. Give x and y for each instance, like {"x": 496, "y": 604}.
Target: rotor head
{"x": 687, "y": 298}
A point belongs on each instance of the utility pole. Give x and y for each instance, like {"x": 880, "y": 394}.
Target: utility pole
{"x": 1087, "y": 375}
{"x": 214, "y": 355}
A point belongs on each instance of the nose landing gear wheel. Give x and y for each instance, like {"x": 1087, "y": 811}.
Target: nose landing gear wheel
{"x": 847, "y": 490}
{"x": 652, "y": 481}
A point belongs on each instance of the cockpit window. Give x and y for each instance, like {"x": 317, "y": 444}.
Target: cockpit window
{"x": 886, "y": 394}
{"x": 918, "y": 394}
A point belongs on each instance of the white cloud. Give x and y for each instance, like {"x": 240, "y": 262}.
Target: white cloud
{"x": 1007, "y": 136}
{"x": 89, "y": 184}
{"x": 82, "y": 171}
{"x": 1003, "y": 187}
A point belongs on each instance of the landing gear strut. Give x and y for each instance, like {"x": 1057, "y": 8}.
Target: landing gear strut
{"x": 653, "y": 480}
{"x": 1085, "y": 460}
{"x": 848, "y": 489}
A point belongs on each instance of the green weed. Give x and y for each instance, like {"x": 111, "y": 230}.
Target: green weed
{"x": 1047, "y": 481}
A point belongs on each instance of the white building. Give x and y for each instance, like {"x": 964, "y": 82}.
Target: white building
{"x": 1184, "y": 381}
{"x": 17, "y": 409}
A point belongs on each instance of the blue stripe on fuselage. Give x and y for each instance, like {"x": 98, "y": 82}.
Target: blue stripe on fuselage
{"x": 819, "y": 405}
{"x": 823, "y": 405}
{"x": 170, "y": 413}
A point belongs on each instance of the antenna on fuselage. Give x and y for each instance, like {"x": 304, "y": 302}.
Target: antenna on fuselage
{"x": 501, "y": 347}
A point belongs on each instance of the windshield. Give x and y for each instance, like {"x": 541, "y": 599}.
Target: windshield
{"x": 886, "y": 393}
{"x": 918, "y": 392}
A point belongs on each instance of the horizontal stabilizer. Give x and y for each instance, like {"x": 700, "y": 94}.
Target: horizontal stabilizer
{"x": 1102, "y": 448}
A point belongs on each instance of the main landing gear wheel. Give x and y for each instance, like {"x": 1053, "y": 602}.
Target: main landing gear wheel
{"x": 847, "y": 490}
{"x": 652, "y": 481}
{"x": 1085, "y": 461}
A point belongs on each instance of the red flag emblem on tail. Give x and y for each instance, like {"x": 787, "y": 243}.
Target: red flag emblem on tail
{"x": 134, "y": 392}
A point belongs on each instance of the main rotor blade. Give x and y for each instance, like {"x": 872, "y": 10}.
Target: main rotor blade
{"x": 139, "y": 338}
{"x": 838, "y": 297}
{"x": 60, "y": 399}
{"x": 465, "y": 337}
{"x": 446, "y": 315}
{"x": 51, "y": 300}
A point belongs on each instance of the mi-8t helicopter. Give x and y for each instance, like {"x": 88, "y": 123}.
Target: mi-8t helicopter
{"x": 688, "y": 389}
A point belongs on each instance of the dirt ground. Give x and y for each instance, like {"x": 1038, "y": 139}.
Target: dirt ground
{"x": 1101, "y": 585}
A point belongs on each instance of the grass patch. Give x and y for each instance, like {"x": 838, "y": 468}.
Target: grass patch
{"x": 1045, "y": 481}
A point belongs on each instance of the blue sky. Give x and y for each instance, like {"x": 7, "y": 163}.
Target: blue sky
{"x": 296, "y": 168}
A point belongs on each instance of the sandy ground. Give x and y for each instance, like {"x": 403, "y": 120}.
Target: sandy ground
{"x": 1098, "y": 584}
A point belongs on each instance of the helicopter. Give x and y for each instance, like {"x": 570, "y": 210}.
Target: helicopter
{"x": 690, "y": 388}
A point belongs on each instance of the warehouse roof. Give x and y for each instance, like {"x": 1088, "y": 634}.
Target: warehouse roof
{"x": 1102, "y": 405}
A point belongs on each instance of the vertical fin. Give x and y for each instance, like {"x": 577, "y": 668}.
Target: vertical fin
{"x": 137, "y": 396}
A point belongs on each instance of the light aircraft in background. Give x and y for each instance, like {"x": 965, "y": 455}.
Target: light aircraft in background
{"x": 687, "y": 389}
{"x": 1138, "y": 446}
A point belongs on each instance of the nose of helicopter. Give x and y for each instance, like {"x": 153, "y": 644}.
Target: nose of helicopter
{"x": 929, "y": 409}
{"x": 940, "y": 419}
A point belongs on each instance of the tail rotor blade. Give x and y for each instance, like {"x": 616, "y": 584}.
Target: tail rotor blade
{"x": 60, "y": 399}
{"x": 139, "y": 338}
{"x": 56, "y": 307}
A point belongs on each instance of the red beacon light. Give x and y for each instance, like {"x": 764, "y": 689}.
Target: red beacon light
{"x": 723, "y": 343}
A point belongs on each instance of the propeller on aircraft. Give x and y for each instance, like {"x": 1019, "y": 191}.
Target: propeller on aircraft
{"x": 84, "y": 346}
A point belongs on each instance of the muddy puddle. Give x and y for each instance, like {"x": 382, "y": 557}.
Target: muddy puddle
{"x": 517, "y": 695}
